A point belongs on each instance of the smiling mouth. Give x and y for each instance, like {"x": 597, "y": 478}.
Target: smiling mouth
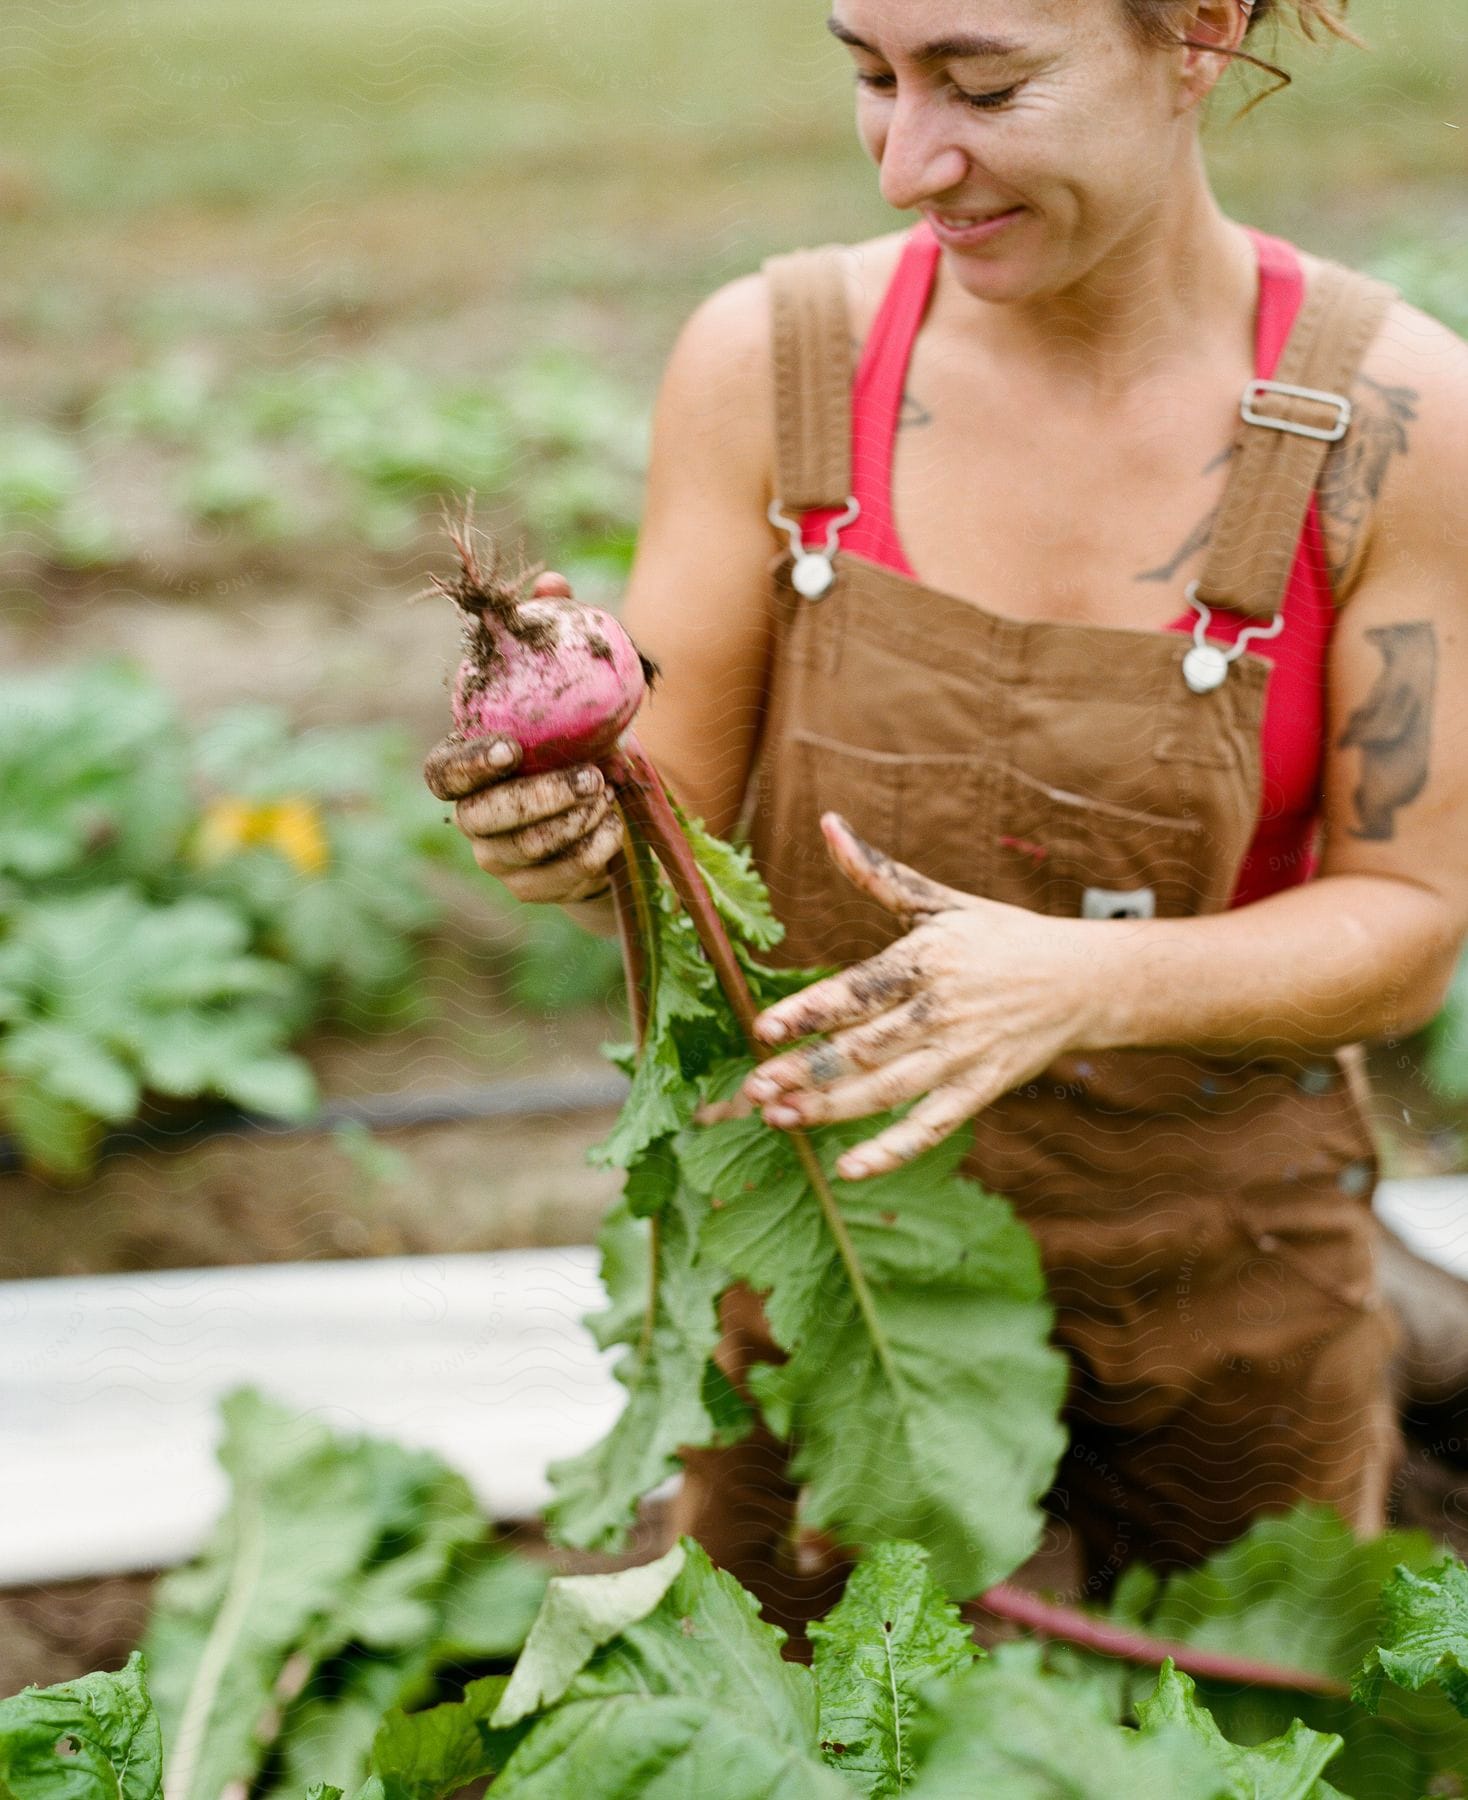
{"x": 962, "y": 221}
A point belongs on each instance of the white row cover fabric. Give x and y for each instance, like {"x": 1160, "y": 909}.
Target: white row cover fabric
{"x": 108, "y": 1383}
{"x": 108, "y": 1387}
{"x": 1430, "y": 1216}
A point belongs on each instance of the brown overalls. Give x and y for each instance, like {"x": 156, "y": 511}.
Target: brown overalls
{"x": 1204, "y": 1223}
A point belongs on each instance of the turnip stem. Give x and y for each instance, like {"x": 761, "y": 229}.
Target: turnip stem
{"x": 1066, "y": 1625}
{"x": 634, "y": 933}
{"x": 633, "y": 905}
{"x": 650, "y": 814}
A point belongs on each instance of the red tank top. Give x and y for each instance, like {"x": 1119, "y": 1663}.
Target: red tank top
{"x": 1282, "y": 853}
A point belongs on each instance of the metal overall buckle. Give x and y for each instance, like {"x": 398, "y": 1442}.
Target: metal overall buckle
{"x": 813, "y": 572}
{"x": 1206, "y": 666}
{"x": 1260, "y": 386}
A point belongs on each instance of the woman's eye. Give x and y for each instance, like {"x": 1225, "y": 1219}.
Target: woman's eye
{"x": 982, "y": 102}
{"x": 985, "y": 102}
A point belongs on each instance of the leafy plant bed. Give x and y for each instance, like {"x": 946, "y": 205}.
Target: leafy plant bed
{"x": 178, "y": 909}
{"x": 177, "y": 459}
{"x": 353, "y": 1626}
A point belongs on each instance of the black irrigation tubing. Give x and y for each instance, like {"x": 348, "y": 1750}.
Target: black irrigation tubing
{"x": 539, "y": 1096}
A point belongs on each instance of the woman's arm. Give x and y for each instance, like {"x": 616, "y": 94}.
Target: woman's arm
{"x": 980, "y": 997}
{"x": 697, "y": 599}
{"x": 698, "y": 596}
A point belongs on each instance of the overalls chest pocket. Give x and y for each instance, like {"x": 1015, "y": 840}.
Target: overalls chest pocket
{"x": 976, "y": 823}
{"x": 1076, "y": 856}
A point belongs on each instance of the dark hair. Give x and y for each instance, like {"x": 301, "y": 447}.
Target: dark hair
{"x": 1151, "y": 20}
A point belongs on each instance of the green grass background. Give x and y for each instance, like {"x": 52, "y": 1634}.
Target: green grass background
{"x": 234, "y": 167}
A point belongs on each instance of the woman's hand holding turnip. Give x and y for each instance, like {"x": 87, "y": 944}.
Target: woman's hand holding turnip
{"x": 976, "y": 999}
{"x": 548, "y": 836}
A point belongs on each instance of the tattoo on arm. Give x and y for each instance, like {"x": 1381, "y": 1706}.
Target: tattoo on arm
{"x": 1356, "y": 468}
{"x": 1393, "y": 728}
{"x": 1350, "y": 484}
{"x": 913, "y": 412}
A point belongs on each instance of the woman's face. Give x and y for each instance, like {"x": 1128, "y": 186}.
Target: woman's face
{"x": 1074, "y": 123}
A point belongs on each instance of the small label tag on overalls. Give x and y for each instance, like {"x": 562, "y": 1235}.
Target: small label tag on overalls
{"x": 1104, "y": 903}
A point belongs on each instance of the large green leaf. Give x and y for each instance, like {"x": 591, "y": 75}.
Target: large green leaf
{"x": 925, "y": 1408}
{"x": 662, "y": 1680}
{"x": 921, "y": 1392}
{"x": 1007, "y": 1731}
{"x": 92, "y": 1739}
{"x": 579, "y": 1614}
{"x": 891, "y": 1634}
{"x": 327, "y": 1542}
{"x": 705, "y": 1638}
{"x": 1424, "y": 1638}
{"x": 1301, "y": 1590}
{"x": 1286, "y": 1768}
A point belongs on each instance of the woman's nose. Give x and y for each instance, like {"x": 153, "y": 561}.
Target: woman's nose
{"x": 918, "y": 160}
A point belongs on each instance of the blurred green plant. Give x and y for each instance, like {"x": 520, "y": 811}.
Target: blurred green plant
{"x": 177, "y": 908}
{"x": 1429, "y": 274}
{"x": 43, "y": 497}
{"x": 326, "y": 449}
{"x": 104, "y": 994}
{"x": 1445, "y": 1064}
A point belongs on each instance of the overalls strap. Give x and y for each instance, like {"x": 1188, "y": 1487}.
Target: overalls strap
{"x": 813, "y": 373}
{"x": 1284, "y": 437}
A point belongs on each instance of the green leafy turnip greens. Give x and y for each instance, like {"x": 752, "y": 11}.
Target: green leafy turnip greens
{"x": 661, "y": 1682}
{"x": 921, "y": 1391}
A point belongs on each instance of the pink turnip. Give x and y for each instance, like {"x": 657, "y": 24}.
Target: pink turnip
{"x": 563, "y": 680}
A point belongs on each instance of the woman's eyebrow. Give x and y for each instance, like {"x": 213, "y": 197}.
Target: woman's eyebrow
{"x": 949, "y": 49}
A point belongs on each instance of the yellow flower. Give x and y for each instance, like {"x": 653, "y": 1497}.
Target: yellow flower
{"x": 294, "y": 828}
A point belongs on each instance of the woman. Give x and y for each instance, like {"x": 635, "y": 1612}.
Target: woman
{"x": 1085, "y": 648}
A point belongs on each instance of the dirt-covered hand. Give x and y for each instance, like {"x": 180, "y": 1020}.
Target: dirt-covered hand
{"x": 977, "y": 998}
{"x": 549, "y": 838}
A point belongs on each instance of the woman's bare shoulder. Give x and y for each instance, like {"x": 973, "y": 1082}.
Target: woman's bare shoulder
{"x": 743, "y": 305}
{"x": 724, "y": 355}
